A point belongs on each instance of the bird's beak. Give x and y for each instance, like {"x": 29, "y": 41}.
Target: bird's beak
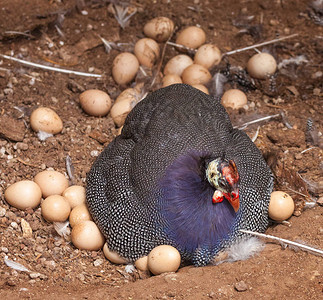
{"x": 233, "y": 199}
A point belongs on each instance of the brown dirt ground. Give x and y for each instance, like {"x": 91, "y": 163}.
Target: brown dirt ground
{"x": 68, "y": 273}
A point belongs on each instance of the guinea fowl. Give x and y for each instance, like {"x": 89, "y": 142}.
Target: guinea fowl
{"x": 178, "y": 174}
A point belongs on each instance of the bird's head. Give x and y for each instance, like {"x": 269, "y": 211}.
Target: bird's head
{"x": 223, "y": 175}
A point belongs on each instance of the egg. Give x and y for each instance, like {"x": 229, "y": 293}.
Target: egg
{"x": 196, "y": 74}
{"x": 124, "y": 68}
{"x": 177, "y": 64}
{"x": 191, "y": 37}
{"x": 79, "y": 214}
{"x": 46, "y": 119}
{"x": 86, "y": 235}
{"x": 201, "y": 87}
{"x": 147, "y": 51}
{"x": 234, "y": 99}
{"x": 207, "y": 55}
{"x": 142, "y": 263}
{"x": 55, "y": 208}
{"x": 95, "y": 102}
{"x": 170, "y": 79}
{"x": 51, "y": 183}
{"x": 261, "y": 65}
{"x": 23, "y": 194}
{"x": 112, "y": 256}
{"x": 159, "y": 29}
{"x": 123, "y": 105}
{"x": 75, "y": 195}
{"x": 281, "y": 206}
{"x": 163, "y": 258}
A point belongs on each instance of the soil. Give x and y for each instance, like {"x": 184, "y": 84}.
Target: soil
{"x": 66, "y": 34}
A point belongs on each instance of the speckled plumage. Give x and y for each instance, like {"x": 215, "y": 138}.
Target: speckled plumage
{"x": 146, "y": 188}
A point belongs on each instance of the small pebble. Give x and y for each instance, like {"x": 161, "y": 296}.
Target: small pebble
{"x": 98, "y": 262}
{"x": 34, "y": 275}
{"x": 2, "y": 211}
{"x": 240, "y": 286}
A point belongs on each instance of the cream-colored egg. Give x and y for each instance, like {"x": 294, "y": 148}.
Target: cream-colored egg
{"x": 112, "y": 256}
{"x": 51, "y": 183}
{"x": 281, "y": 206}
{"x": 201, "y": 87}
{"x": 261, "y": 65}
{"x": 45, "y": 119}
{"x": 171, "y": 79}
{"x": 55, "y": 208}
{"x": 95, "y": 102}
{"x": 207, "y": 55}
{"x": 191, "y": 37}
{"x": 177, "y": 64}
{"x": 159, "y": 29}
{"x": 75, "y": 195}
{"x": 23, "y": 194}
{"x": 142, "y": 263}
{"x": 147, "y": 51}
{"x": 163, "y": 258}
{"x": 124, "y": 68}
{"x": 86, "y": 235}
{"x": 125, "y": 102}
{"x": 79, "y": 214}
{"x": 234, "y": 98}
{"x": 196, "y": 74}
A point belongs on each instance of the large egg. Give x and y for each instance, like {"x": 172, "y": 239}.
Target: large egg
{"x": 45, "y": 119}
{"x": 261, "y": 65}
{"x": 163, "y": 259}
{"x": 191, "y": 37}
{"x": 125, "y": 102}
{"x": 159, "y": 29}
{"x": 201, "y": 87}
{"x": 95, "y": 102}
{"x": 79, "y": 214}
{"x": 147, "y": 52}
{"x": 177, "y": 64}
{"x": 196, "y": 74}
{"x": 75, "y": 195}
{"x": 55, "y": 208}
{"x": 234, "y": 99}
{"x": 281, "y": 206}
{"x": 207, "y": 55}
{"x": 86, "y": 235}
{"x": 51, "y": 183}
{"x": 23, "y": 194}
{"x": 170, "y": 79}
{"x": 124, "y": 68}
{"x": 112, "y": 256}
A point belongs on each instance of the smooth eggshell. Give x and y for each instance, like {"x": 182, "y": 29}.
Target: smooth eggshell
{"x": 142, "y": 263}
{"x": 112, "y": 256}
{"x": 163, "y": 259}
{"x": 234, "y": 98}
{"x": 281, "y": 206}
{"x": 261, "y": 65}
{"x": 95, "y": 102}
{"x": 45, "y": 119}
{"x": 177, "y": 64}
{"x": 124, "y": 68}
{"x": 207, "y": 55}
{"x": 79, "y": 214}
{"x": 23, "y": 194}
{"x": 51, "y": 183}
{"x": 201, "y": 87}
{"x": 170, "y": 79}
{"x": 86, "y": 235}
{"x": 75, "y": 195}
{"x": 196, "y": 74}
{"x": 191, "y": 37}
{"x": 55, "y": 208}
{"x": 147, "y": 52}
{"x": 159, "y": 29}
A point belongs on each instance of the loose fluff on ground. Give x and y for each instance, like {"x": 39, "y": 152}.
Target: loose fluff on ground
{"x": 148, "y": 186}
